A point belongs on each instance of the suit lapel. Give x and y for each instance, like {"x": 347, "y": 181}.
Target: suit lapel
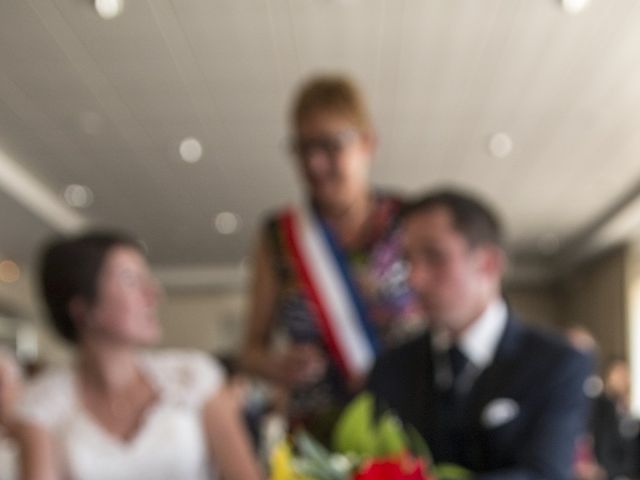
{"x": 424, "y": 393}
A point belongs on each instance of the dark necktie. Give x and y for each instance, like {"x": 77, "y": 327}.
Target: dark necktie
{"x": 454, "y": 403}
{"x": 458, "y": 362}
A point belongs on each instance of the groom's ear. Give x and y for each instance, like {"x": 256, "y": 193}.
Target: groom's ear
{"x": 491, "y": 260}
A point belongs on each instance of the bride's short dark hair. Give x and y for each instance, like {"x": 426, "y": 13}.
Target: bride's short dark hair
{"x": 70, "y": 267}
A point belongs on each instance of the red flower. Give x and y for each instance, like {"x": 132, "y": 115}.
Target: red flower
{"x": 403, "y": 467}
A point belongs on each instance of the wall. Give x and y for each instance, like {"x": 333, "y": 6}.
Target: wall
{"x": 535, "y": 304}
{"x": 209, "y": 321}
{"x": 595, "y": 295}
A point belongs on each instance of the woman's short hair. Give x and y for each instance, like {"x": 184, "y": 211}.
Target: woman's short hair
{"x": 335, "y": 94}
{"x": 70, "y": 268}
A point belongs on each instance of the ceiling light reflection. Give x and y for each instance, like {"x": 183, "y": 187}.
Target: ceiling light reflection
{"x": 108, "y": 9}
{"x": 78, "y": 196}
{"x": 190, "y": 150}
{"x": 574, "y": 6}
{"x": 9, "y": 271}
{"x": 226, "y": 223}
{"x": 500, "y": 145}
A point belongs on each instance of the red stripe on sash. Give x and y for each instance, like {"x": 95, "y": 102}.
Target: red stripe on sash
{"x": 315, "y": 303}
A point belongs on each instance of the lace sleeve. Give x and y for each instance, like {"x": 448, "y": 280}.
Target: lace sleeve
{"x": 187, "y": 377}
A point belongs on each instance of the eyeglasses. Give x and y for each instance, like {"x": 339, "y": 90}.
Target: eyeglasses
{"x": 329, "y": 145}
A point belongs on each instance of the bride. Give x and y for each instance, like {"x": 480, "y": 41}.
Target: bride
{"x": 122, "y": 411}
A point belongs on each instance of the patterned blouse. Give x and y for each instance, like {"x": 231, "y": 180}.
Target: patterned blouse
{"x": 377, "y": 268}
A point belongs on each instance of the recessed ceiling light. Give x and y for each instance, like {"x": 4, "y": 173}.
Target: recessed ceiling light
{"x": 109, "y": 9}
{"x": 78, "y": 196}
{"x": 9, "y": 271}
{"x": 574, "y": 6}
{"x": 190, "y": 150}
{"x": 500, "y": 145}
{"x": 226, "y": 223}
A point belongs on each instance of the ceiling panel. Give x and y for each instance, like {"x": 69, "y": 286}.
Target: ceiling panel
{"x": 106, "y": 103}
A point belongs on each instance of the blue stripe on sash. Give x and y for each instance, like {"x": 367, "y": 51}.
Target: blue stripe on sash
{"x": 354, "y": 294}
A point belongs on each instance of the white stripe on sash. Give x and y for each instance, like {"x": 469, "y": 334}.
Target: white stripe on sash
{"x": 351, "y": 339}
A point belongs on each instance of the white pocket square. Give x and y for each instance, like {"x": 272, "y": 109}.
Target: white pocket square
{"x": 499, "y": 412}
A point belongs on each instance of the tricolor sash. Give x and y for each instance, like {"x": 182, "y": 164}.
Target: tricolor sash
{"x": 331, "y": 292}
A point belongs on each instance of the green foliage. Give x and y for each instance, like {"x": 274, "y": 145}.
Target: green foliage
{"x": 390, "y": 436}
{"x": 417, "y": 445}
{"x": 318, "y": 463}
{"x": 357, "y": 436}
{"x": 449, "y": 471}
{"x": 355, "y": 431}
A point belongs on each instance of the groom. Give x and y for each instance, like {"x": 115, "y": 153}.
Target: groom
{"x": 486, "y": 391}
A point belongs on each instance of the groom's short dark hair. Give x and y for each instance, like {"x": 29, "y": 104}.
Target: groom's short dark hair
{"x": 477, "y": 223}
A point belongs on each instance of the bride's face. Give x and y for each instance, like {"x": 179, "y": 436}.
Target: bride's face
{"x": 125, "y": 308}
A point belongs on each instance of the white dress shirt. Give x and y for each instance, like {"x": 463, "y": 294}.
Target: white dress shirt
{"x": 479, "y": 343}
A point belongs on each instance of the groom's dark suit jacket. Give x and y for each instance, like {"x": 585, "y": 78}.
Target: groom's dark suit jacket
{"x": 520, "y": 418}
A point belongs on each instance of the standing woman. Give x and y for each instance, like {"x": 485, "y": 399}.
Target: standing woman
{"x": 329, "y": 273}
{"x": 122, "y": 411}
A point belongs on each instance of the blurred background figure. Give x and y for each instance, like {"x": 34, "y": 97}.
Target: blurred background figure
{"x": 107, "y": 415}
{"x": 10, "y": 388}
{"x": 333, "y": 143}
{"x": 586, "y": 465}
{"x": 617, "y": 383}
{"x": 615, "y": 430}
{"x": 581, "y": 338}
{"x": 610, "y": 450}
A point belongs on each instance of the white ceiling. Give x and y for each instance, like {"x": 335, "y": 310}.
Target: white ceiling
{"x": 106, "y": 103}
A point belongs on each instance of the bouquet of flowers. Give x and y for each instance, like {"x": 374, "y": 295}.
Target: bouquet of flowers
{"x": 364, "y": 448}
